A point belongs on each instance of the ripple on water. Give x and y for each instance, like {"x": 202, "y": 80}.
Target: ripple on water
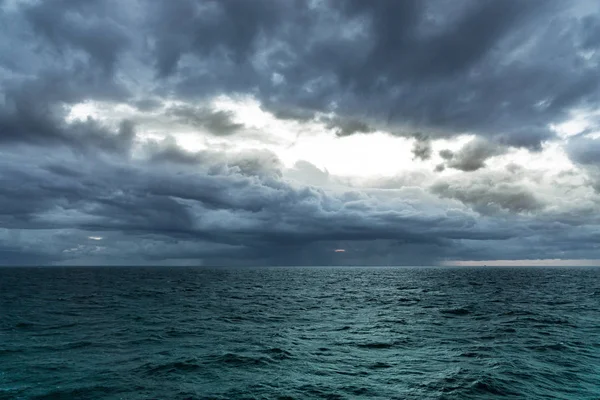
{"x": 278, "y": 353}
{"x": 456, "y": 311}
{"x": 171, "y": 367}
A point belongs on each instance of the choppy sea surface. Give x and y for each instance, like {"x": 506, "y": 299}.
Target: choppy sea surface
{"x": 299, "y": 333}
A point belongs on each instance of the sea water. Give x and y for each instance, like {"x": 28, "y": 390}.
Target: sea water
{"x": 299, "y": 333}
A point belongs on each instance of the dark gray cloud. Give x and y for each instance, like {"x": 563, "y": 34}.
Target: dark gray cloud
{"x": 288, "y": 113}
{"x": 584, "y": 150}
{"x": 226, "y": 204}
{"x": 472, "y": 156}
{"x": 443, "y": 67}
{"x": 147, "y": 104}
{"x": 347, "y": 126}
{"x": 488, "y": 196}
{"x": 224, "y": 208}
{"x": 422, "y": 148}
{"x": 226, "y": 30}
{"x": 35, "y": 121}
{"x": 446, "y": 154}
{"x": 250, "y": 163}
{"x": 502, "y": 70}
{"x": 91, "y": 27}
{"x": 217, "y": 122}
{"x": 33, "y": 109}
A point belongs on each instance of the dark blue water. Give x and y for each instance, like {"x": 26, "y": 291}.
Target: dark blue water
{"x": 299, "y": 333}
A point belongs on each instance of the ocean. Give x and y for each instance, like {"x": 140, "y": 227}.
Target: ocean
{"x": 299, "y": 333}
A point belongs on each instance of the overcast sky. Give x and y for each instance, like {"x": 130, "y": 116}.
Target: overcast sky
{"x": 281, "y": 132}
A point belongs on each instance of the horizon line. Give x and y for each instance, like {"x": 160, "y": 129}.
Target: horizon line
{"x": 450, "y": 264}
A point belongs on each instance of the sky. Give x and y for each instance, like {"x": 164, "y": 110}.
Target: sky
{"x": 300, "y": 132}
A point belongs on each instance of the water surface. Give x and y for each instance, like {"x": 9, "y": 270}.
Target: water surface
{"x": 299, "y": 333}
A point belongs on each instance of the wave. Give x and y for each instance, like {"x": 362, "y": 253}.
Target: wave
{"x": 172, "y": 367}
{"x": 278, "y": 353}
{"x": 383, "y": 345}
{"x": 380, "y": 365}
{"x": 549, "y": 321}
{"x": 84, "y": 392}
{"x": 549, "y": 347}
{"x": 456, "y": 311}
{"x": 25, "y": 325}
{"x": 375, "y": 345}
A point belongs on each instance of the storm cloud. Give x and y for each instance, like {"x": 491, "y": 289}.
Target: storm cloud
{"x": 216, "y": 202}
{"x": 445, "y": 67}
{"x": 120, "y": 140}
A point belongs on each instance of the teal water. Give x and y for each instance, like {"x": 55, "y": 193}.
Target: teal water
{"x": 299, "y": 333}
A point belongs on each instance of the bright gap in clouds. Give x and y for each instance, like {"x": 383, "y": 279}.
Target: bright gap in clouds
{"x": 581, "y": 122}
{"x": 360, "y": 155}
{"x": 376, "y": 153}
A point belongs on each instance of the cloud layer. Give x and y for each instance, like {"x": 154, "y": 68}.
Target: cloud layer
{"x": 115, "y": 183}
